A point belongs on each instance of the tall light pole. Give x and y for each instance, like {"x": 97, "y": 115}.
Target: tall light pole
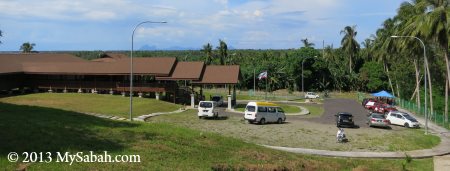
{"x": 425, "y": 64}
{"x": 302, "y": 71}
{"x": 131, "y": 64}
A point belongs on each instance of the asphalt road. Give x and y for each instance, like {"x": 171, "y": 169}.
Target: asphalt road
{"x": 333, "y": 106}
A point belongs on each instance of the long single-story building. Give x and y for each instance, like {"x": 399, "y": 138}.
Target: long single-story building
{"x": 110, "y": 74}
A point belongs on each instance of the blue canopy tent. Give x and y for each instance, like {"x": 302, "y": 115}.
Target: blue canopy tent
{"x": 383, "y": 94}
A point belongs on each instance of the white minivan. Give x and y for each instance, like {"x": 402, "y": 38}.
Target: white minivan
{"x": 264, "y": 112}
{"x": 207, "y": 109}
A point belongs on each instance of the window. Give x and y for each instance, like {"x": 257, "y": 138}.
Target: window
{"x": 262, "y": 109}
{"x": 216, "y": 98}
{"x": 250, "y": 108}
{"x": 280, "y": 110}
{"x": 206, "y": 104}
{"x": 399, "y": 116}
{"x": 272, "y": 109}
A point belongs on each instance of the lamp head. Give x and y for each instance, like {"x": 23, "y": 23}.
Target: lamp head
{"x": 394, "y": 36}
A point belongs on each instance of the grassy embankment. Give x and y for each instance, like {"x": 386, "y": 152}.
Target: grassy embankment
{"x": 93, "y": 103}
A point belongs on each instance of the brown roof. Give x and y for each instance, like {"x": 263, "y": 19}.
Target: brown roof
{"x": 159, "y": 66}
{"x": 215, "y": 74}
{"x": 186, "y": 71}
{"x": 165, "y": 68}
{"x": 147, "y": 66}
{"x": 41, "y": 63}
{"x": 110, "y": 57}
{"x": 13, "y": 62}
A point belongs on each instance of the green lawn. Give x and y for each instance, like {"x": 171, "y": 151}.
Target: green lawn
{"x": 161, "y": 146}
{"x": 93, "y": 103}
{"x": 314, "y": 110}
{"x": 287, "y": 108}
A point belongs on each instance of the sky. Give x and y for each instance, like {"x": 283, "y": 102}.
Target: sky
{"x": 58, "y": 25}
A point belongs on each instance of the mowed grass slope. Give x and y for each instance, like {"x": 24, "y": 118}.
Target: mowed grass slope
{"x": 93, "y": 103}
{"x": 161, "y": 146}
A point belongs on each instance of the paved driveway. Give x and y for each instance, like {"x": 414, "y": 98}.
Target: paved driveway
{"x": 333, "y": 106}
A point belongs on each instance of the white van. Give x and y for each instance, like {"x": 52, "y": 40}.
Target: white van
{"x": 207, "y": 109}
{"x": 264, "y": 112}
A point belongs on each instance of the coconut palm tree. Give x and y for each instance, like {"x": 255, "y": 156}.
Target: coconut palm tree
{"x": 436, "y": 28}
{"x": 1, "y": 35}
{"x": 410, "y": 14}
{"x": 27, "y": 47}
{"x": 207, "y": 49}
{"x": 367, "y": 52}
{"x": 307, "y": 44}
{"x": 329, "y": 53}
{"x": 349, "y": 44}
{"x": 426, "y": 19}
{"x": 223, "y": 48}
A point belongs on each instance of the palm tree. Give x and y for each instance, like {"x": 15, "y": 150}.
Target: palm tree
{"x": 329, "y": 53}
{"x": 410, "y": 14}
{"x": 27, "y": 47}
{"x": 307, "y": 44}
{"x": 1, "y": 35}
{"x": 386, "y": 47}
{"x": 207, "y": 49}
{"x": 349, "y": 44}
{"x": 367, "y": 52}
{"x": 223, "y": 48}
{"x": 427, "y": 19}
{"x": 436, "y": 28}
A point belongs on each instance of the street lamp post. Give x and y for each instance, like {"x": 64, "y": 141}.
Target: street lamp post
{"x": 131, "y": 64}
{"x": 302, "y": 72}
{"x": 425, "y": 64}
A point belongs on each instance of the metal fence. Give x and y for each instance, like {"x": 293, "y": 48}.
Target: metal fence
{"x": 437, "y": 116}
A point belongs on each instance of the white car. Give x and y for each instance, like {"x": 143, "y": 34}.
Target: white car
{"x": 311, "y": 95}
{"x": 402, "y": 119}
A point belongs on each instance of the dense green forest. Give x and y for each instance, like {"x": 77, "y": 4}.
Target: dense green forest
{"x": 379, "y": 62}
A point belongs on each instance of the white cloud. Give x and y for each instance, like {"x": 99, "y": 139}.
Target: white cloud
{"x": 245, "y": 23}
{"x": 100, "y": 15}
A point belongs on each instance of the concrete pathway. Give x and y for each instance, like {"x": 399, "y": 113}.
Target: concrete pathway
{"x": 144, "y": 117}
{"x": 441, "y": 149}
{"x": 139, "y": 118}
{"x": 106, "y": 116}
{"x": 441, "y": 163}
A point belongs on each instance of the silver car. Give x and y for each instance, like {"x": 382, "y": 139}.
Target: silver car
{"x": 377, "y": 120}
